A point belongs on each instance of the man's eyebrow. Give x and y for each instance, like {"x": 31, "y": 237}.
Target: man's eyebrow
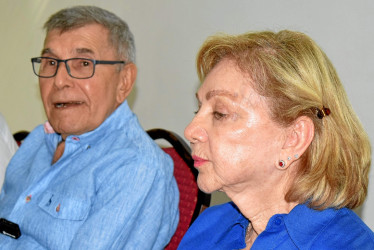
{"x": 79, "y": 51}
{"x": 84, "y": 51}
{"x": 46, "y": 51}
{"x": 223, "y": 92}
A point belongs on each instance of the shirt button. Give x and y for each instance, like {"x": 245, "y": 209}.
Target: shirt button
{"x": 58, "y": 208}
{"x": 28, "y": 198}
{"x": 278, "y": 221}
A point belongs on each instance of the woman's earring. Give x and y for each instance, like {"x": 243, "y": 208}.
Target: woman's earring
{"x": 282, "y": 164}
{"x": 296, "y": 156}
{"x": 289, "y": 158}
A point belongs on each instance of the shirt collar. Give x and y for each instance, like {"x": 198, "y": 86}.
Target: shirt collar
{"x": 304, "y": 223}
{"x": 236, "y": 232}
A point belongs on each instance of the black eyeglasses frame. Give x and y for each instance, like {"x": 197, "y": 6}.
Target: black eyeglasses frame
{"x": 34, "y": 60}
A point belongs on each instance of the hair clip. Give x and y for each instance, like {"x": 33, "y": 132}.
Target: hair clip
{"x": 323, "y": 112}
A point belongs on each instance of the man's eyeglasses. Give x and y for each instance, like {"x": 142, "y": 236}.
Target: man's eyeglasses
{"x": 80, "y": 68}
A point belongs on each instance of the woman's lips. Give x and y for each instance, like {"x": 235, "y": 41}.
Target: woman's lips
{"x": 198, "y": 161}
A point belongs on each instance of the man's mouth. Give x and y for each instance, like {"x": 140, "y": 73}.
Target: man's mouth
{"x": 66, "y": 104}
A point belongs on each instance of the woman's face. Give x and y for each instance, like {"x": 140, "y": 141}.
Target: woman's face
{"x": 235, "y": 144}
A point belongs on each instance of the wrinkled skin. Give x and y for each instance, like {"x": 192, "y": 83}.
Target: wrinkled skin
{"x": 75, "y": 106}
{"x": 234, "y": 142}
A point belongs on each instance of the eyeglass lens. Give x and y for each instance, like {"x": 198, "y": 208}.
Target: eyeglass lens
{"x": 76, "y": 67}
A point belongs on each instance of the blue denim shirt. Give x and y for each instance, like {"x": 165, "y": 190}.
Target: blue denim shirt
{"x": 223, "y": 227}
{"x": 113, "y": 188}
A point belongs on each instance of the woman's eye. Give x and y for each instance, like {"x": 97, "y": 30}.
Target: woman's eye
{"x": 218, "y": 115}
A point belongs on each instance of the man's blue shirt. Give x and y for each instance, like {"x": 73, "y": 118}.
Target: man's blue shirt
{"x": 113, "y": 188}
{"x": 224, "y": 227}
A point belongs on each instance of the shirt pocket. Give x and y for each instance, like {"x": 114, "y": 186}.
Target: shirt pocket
{"x": 64, "y": 207}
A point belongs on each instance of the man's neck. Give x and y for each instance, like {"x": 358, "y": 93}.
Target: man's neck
{"x": 59, "y": 151}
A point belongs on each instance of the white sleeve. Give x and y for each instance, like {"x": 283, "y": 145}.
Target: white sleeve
{"x": 8, "y": 147}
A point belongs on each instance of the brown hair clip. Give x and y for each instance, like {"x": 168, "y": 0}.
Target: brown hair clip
{"x": 323, "y": 112}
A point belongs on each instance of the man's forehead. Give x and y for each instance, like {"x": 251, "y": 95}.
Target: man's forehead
{"x": 89, "y": 39}
{"x": 93, "y": 30}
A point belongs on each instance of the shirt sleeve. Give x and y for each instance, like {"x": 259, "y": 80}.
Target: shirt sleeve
{"x": 7, "y": 136}
{"x": 8, "y": 147}
{"x": 130, "y": 212}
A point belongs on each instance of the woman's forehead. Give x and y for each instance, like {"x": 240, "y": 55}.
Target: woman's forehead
{"x": 227, "y": 80}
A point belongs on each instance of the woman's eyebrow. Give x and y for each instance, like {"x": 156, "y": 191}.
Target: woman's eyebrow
{"x": 223, "y": 92}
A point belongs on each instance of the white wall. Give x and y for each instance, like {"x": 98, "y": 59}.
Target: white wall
{"x": 168, "y": 35}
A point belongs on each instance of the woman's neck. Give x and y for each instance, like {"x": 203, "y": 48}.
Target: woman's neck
{"x": 259, "y": 215}
{"x": 259, "y": 203}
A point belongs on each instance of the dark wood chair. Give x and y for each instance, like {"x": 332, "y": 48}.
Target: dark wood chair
{"x": 20, "y": 136}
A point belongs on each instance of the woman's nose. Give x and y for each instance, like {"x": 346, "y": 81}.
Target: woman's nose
{"x": 195, "y": 132}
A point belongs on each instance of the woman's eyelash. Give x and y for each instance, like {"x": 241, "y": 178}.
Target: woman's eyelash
{"x": 197, "y": 111}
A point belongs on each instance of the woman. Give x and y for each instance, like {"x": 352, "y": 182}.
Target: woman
{"x": 276, "y": 133}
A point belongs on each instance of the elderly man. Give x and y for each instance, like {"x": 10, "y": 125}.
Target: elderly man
{"x": 90, "y": 178}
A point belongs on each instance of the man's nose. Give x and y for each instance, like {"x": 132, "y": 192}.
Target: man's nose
{"x": 62, "y": 78}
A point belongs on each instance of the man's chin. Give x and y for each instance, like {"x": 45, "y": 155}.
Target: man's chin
{"x": 66, "y": 129}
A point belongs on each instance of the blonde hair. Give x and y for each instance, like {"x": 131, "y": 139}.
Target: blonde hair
{"x": 299, "y": 80}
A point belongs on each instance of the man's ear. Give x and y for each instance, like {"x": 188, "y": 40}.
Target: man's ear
{"x": 299, "y": 136}
{"x": 127, "y": 80}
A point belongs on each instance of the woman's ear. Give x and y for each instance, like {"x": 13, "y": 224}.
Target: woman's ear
{"x": 127, "y": 79}
{"x": 298, "y": 138}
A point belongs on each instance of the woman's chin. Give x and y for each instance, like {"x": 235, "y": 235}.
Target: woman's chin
{"x": 207, "y": 188}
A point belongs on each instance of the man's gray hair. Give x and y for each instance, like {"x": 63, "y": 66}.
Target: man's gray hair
{"x": 119, "y": 32}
